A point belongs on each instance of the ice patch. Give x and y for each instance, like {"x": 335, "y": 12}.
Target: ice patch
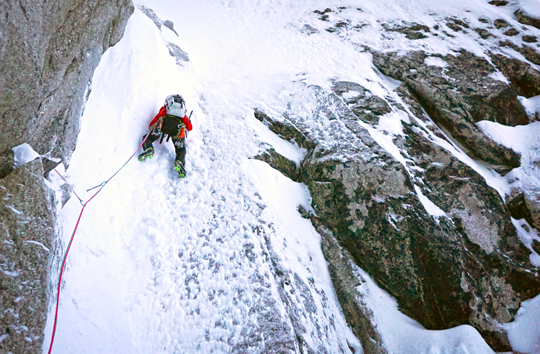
{"x": 521, "y": 138}
{"x": 13, "y": 209}
{"x": 9, "y": 273}
{"x": 430, "y": 207}
{"x": 24, "y": 154}
{"x": 435, "y": 61}
{"x": 38, "y": 244}
{"x": 499, "y": 76}
{"x": 531, "y": 105}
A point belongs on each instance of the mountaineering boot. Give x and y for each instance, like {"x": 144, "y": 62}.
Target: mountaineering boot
{"x": 179, "y": 167}
{"x": 147, "y": 154}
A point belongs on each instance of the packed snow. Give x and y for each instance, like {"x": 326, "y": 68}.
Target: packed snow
{"x": 222, "y": 261}
{"x": 530, "y": 7}
{"x": 521, "y": 138}
{"x": 404, "y": 335}
{"x": 525, "y": 331}
{"x": 531, "y": 105}
{"x": 435, "y": 61}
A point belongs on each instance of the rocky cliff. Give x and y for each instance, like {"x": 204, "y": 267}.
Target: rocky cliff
{"x": 405, "y": 206}
{"x": 48, "y": 53}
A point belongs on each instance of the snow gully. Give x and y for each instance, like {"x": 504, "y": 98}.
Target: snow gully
{"x": 84, "y": 204}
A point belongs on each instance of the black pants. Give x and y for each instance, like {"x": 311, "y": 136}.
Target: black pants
{"x": 179, "y": 145}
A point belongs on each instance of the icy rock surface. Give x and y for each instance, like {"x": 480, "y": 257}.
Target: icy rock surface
{"x": 377, "y": 209}
{"x": 26, "y": 247}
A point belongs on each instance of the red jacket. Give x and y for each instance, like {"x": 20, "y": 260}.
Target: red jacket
{"x": 163, "y": 112}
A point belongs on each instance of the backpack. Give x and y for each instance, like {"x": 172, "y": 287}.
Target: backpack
{"x": 175, "y": 105}
{"x": 172, "y": 121}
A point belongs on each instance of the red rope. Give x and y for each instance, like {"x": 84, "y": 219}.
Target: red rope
{"x": 75, "y": 231}
{"x": 69, "y": 185}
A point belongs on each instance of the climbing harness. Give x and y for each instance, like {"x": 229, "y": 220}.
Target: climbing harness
{"x": 84, "y": 204}
{"x": 180, "y": 127}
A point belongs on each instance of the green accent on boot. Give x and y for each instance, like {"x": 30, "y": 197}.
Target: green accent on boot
{"x": 178, "y": 167}
{"x": 146, "y": 155}
{"x": 180, "y": 173}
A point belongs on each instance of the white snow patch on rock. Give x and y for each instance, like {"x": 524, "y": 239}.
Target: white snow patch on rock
{"x": 435, "y": 61}
{"x": 520, "y": 138}
{"x": 401, "y": 334}
{"x": 530, "y": 8}
{"x": 430, "y": 207}
{"x": 527, "y": 235}
{"x": 24, "y": 154}
{"x": 531, "y": 105}
{"x": 524, "y": 332}
{"x": 499, "y": 76}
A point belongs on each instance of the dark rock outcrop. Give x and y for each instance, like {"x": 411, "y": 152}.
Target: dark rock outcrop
{"x": 524, "y": 78}
{"x": 500, "y": 23}
{"x": 518, "y": 208}
{"x": 410, "y": 30}
{"x": 48, "y": 53}
{"x": 525, "y": 205}
{"x": 174, "y": 50}
{"x": 365, "y": 105}
{"x": 528, "y": 52}
{"x": 458, "y": 95}
{"x": 346, "y": 281}
{"x": 524, "y": 18}
{"x": 529, "y": 39}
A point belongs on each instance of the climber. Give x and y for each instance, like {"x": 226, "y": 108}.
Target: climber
{"x": 172, "y": 121}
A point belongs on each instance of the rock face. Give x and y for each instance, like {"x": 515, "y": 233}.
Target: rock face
{"x": 403, "y": 206}
{"x": 522, "y": 17}
{"x": 27, "y": 240}
{"x": 48, "y": 53}
{"x": 457, "y": 92}
{"x": 174, "y": 50}
{"x": 523, "y": 76}
{"x": 465, "y": 266}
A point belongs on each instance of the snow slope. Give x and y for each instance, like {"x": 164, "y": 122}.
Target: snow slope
{"x": 168, "y": 265}
{"x": 220, "y": 261}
